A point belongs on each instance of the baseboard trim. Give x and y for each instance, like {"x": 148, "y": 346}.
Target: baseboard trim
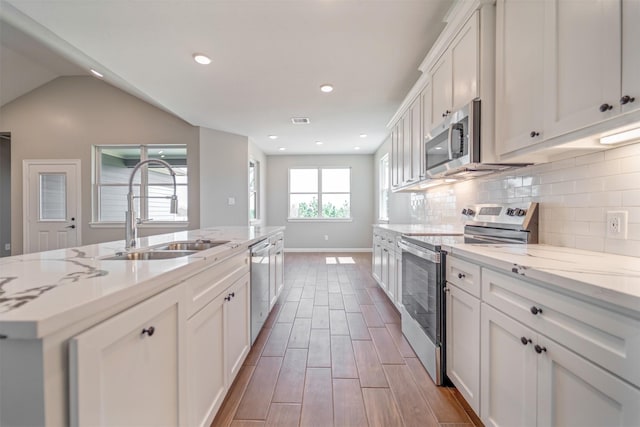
{"x": 333, "y": 250}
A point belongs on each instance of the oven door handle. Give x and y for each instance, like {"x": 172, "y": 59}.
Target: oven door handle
{"x": 424, "y": 254}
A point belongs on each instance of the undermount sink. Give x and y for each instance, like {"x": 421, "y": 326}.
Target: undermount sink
{"x": 193, "y": 245}
{"x": 148, "y": 255}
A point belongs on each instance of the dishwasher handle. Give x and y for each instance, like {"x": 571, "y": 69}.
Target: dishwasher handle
{"x": 260, "y": 246}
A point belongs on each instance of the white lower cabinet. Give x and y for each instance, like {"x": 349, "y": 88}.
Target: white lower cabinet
{"x": 463, "y": 342}
{"x": 127, "y": 370}
{"x": 529, "y": 380}
{"x": 387, "y": 264}
{"x": 218, "y": 339}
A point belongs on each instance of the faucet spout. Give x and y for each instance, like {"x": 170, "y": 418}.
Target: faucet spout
{"x": 131, "y": 223}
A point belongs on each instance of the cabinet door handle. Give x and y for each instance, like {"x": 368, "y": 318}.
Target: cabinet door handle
{"x": 461, "y": 276}
{"x": 447, "y": 290}
{"x": 71, "y": 226}
{"x": 626, "y": 99}
{"x": 533, "y": 134}
{"x": 605, "y": 107}
{"x": 525, "y": 341}
{"x": 149, "y": 331}
{"x": 227, "y": 298}
{"x": 233, "y": 294}
{"x": 540, "y": 349}
{"x": 535, "y": 310}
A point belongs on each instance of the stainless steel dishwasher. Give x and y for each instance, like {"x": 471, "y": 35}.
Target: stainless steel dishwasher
{"x": 259, "y": 286}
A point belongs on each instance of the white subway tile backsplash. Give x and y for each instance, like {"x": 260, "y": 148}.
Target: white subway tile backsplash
{"x": 574, "y": 196}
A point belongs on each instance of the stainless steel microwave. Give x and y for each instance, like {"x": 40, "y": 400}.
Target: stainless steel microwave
{"x": 456, "y": 143}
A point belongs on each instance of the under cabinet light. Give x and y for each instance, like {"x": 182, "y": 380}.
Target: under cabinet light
{"x": 617, "y": 138}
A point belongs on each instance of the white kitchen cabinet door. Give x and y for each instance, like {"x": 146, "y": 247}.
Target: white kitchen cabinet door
{"x": 206, "y": 385}
{"x": 630, "y": 55}
{"x": 463, "y": 344}
{"x": 508, "y": 371}
{"x": 465, "y": 63}
{"x": 573, "y": 391}
{"x": 392, "y": 276}
{"x": 384, "y": 274}
{"x": 425, "y": 96}
{"x": 237, "y": 327}
{"x": 406, "y": 148}
{"x": 279, "y": 270}
{"x": 519, "y": 73}
{"x": 582, "y": 63}
{"x": 377, "y": 258}
{"x": 273, "y": 292}
{"x": 400, "y": 150}
{"x": 398, "y": 266}
{"x": 441, "y": 91}
{"x": 416, "y": 140}
{"x": 126, "y": 370}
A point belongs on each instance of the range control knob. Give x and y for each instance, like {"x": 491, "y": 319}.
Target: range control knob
{"x": 471, "y": 212}
{"x": 464, "y": 211}
{"x": 510, "y": 211}
{"x": 521, "y": 212}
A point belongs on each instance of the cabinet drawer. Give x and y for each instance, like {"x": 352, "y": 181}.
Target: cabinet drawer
{"x": 605, "y": 336}
{"x": 207, "y": 285}
{"x": 464, "y": 275}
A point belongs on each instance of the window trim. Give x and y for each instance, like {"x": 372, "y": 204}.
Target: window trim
{"x": 95, "y": 186}
{"x": 256, "y": 220}
{"x": 384, "y": 158}
{"x": 319, "y": 193}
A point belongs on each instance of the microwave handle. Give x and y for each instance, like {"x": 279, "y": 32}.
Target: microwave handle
{"x": 450, "y": 141}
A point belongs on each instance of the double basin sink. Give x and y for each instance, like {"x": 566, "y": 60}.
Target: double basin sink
{"x": 167, "y": 250}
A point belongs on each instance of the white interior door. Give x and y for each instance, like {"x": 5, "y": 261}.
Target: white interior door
{"x": 51, "y": 191}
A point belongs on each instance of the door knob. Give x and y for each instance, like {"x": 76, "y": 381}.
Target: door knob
{"x": 71, "y": 226}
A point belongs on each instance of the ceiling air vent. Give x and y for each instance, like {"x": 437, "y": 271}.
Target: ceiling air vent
{"x": 300, "y": 120}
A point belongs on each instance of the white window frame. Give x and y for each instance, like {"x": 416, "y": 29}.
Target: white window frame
{"x": 384, "y": 188}
{"x": 144, "y": 185}
{"x": 256, "y": 190}
{"x": 319, "y": 193}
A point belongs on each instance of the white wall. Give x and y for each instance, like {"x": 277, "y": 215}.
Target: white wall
{"x": 307, "y": 235}
{"x": 65, "y": 117}
{"x": 224, "y": 173}
{"x": 574, "y": 195}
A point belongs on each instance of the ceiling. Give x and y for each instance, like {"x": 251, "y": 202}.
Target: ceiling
{"x": 269, "y": 58}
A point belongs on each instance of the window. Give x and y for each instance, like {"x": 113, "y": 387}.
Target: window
{"x": 152, "y": 184}
{"x": 254, "y": 188}
{"x": 383, "y": 200}
{"x": 320, "y": 193}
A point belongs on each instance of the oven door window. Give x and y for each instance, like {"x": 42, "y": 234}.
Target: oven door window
{"x": 421, "y": 293}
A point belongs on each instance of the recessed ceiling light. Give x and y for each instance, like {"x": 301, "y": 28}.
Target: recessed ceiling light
{"x": 300, "y": 120}
{"x": 273, "y": 136}
{"x": 326, "y": 88}
{"x": 95, "y": 73}
{"x": 319, "y": 142}
{"x": 363, "y": 135}
{"x": 356, "y": 148}
{"x": 201, "y": 59}
{"x": 281, "y": 148}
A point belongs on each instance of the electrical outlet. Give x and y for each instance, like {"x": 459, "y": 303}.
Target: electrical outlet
{"x": 231, "y": 201}
{"x": 326, "y": 237}
{"x": 7, "y": 246}
{"x": 617, "y": 224}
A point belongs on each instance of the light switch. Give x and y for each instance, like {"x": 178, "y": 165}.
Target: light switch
{"x": 231, "y": 201}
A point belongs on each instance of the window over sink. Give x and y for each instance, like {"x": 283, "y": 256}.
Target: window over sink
{"x": 112, "y": 166}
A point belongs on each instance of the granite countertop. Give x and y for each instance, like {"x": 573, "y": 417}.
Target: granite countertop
{"x": 42, "y": 292}
{"x": 605, "y": 277}
{"x": 423, "y": 229}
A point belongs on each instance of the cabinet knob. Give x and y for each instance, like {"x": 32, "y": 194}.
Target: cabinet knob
{"x": 535, "y": 310}
{"x": 533, "y": 134}
{"x": 539, "y": 349}
{"x": 525, "y": 341}
{"x": 461, "y": 276}
{"x": 233, "y": 294}
{"x": 227, "y": 298}
{"x": 605, "y": 107}
{"x": 149, "y": 331}
{"x": 626, "y": 99}
{"x": 447, "y": 290}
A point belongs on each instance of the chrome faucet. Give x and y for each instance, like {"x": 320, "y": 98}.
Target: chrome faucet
{"x": 131, "y": 222}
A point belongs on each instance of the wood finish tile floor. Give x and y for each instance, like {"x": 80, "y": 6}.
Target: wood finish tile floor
{"x": 332, "y": 354}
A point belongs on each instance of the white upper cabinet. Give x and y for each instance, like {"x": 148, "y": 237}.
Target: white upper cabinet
{"x": 454, "y": 77}
{"x": 406, "y": 148}
{"x": 519, "y": 73}
{"x": 583, "y": 63}
{"x": 417, "y": 172}
{"x": 630, "y": 96}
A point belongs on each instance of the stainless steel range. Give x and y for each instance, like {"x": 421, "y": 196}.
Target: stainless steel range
{"x": 423, "y": 273}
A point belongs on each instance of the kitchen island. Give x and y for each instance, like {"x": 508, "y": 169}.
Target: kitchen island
{"x": 57, "y": 306}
